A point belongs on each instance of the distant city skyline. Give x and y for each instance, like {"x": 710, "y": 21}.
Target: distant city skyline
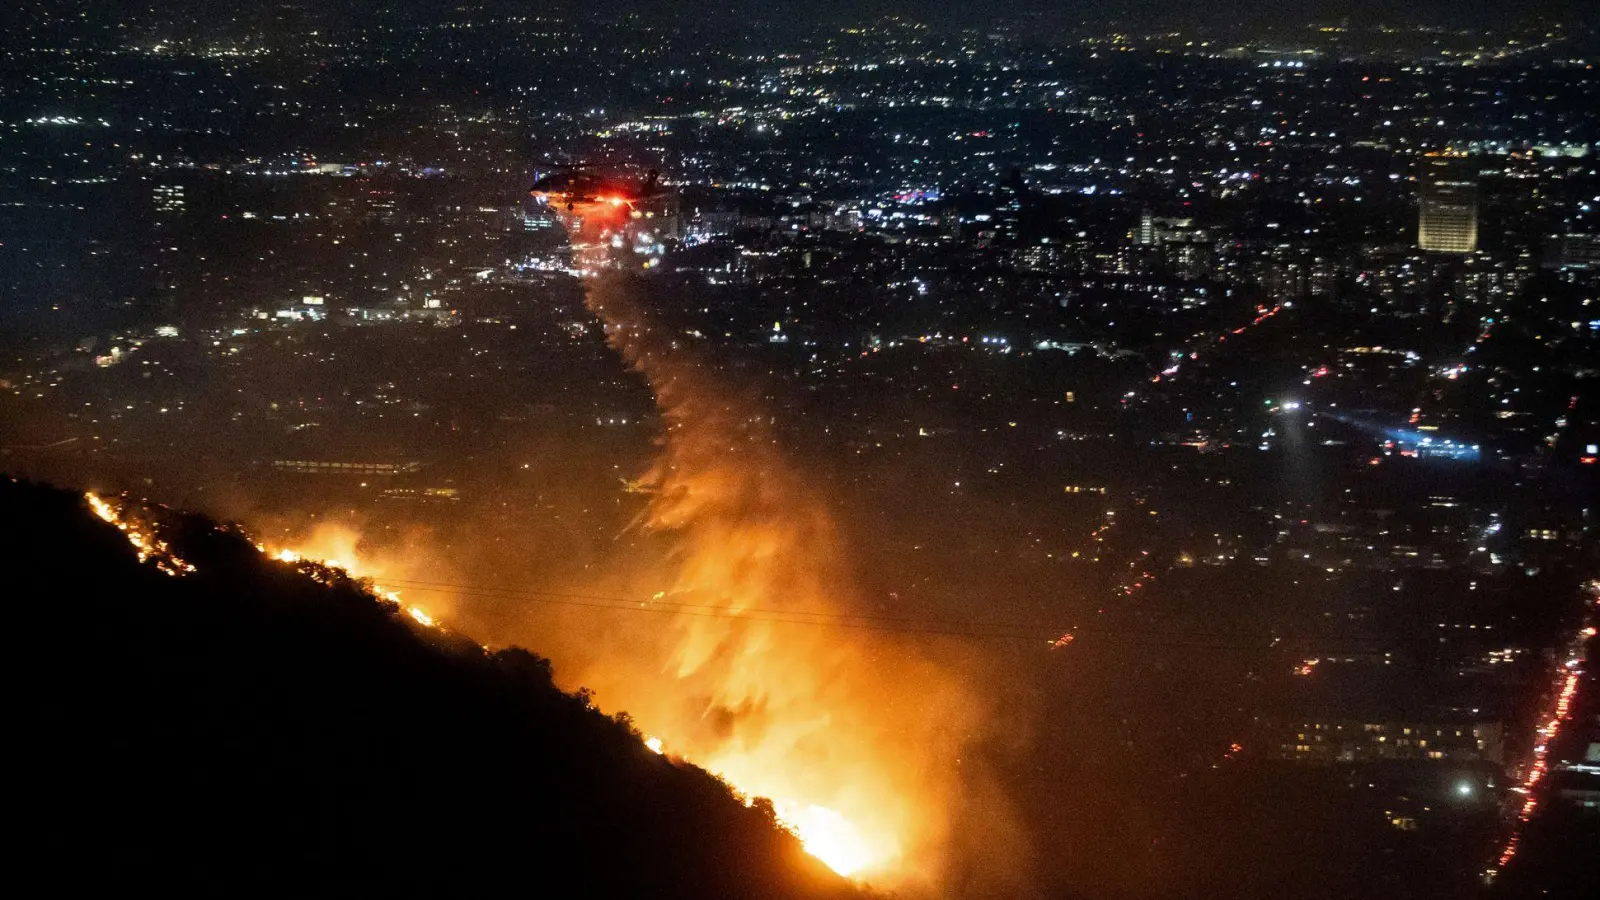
{"x": 1105, "y": 459}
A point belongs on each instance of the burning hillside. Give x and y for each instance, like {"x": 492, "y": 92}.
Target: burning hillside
{"x": 207, "y": 715}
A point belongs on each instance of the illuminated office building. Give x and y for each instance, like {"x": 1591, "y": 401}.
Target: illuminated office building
{"x": 1447, "y": 220}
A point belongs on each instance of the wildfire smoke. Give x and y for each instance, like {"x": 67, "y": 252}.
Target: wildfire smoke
{"x": 854, "y": 737}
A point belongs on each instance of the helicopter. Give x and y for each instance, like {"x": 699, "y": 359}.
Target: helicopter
{"x": 577, "y": 184}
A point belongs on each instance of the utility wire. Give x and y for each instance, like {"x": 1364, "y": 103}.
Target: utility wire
{"x": 1031, "y": 632}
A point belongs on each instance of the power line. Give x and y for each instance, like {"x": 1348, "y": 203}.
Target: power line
{"x": 968, "y": 628}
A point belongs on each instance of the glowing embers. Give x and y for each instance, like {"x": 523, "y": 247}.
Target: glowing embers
{"x": 151, "y": 548}
{"x": 315, "y": 568}
{"x": 141, "y": 535}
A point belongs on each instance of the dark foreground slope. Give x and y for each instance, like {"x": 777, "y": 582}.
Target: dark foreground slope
{"x": 245, "y": 729}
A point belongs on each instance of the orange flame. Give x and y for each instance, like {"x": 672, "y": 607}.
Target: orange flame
{"x": 141, "y": 536}
{"x": 338, "y": 547}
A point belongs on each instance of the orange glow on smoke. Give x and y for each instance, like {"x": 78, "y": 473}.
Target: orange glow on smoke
{"x": 822, "y": 721}
{"x": 848, "y": 813}
{"x": 855, "y": 737}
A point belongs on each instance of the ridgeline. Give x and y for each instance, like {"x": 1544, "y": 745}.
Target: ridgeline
{"x": 247, "y": 729}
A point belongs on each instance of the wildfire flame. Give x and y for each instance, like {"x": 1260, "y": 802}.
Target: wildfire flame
{"x": 829, "y": 837}
{"x": 823, "y": 832}
{"x": 151, "y": 548}
{"x": 336, "y": 549}
{"x": 141, "y": 535}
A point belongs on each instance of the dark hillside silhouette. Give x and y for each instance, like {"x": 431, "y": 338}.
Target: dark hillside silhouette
{"x": 247, "y": 730}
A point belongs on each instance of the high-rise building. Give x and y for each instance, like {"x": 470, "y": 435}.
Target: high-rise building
{"x": 1147, "y": 228}
{"x": 1447, "y": 220}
